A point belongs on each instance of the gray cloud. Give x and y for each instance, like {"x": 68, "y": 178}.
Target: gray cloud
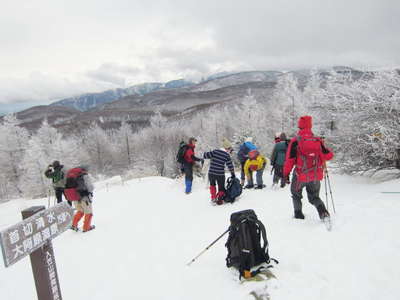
{"x": 85, "y": 46}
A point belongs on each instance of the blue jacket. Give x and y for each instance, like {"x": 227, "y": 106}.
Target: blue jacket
{"x": 244, "y": 150}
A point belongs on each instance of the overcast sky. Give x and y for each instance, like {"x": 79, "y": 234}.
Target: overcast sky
{"x": 50, "y": 49}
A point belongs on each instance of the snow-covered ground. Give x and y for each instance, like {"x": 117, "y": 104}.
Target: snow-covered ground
{"x": 148, "y": 229}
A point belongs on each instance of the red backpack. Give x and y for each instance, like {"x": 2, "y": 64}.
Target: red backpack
{"x": 253, "y": 154}
{"x": 309, "y": 157}
{"x": 74, "y": 184}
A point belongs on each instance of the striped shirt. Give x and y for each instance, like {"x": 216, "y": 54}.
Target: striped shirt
{"x": 219, "y": 158}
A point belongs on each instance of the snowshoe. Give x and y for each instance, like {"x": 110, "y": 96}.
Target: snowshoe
{"x": 74, "y": 228}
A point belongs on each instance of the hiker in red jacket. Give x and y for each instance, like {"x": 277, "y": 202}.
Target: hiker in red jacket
{"x": 188, "y": 162}
{"x": 307, "y": 154}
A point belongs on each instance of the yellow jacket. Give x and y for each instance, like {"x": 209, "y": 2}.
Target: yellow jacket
{"x": 260, "y": 162}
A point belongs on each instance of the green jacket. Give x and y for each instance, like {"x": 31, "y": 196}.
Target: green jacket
{"x": 57, "y": 176}
{"x": 278, "y": 154}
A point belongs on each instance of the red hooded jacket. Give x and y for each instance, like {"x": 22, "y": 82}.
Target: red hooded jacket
{"x": 293, "y": 159}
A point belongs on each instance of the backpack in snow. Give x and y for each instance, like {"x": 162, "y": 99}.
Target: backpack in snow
{"x": 244, "y": 244}
{"x": 180, "y": 156}
{"x": 233, "y": 189}
{"x": 74, "y": 184}
{"x": 309, "y": 151}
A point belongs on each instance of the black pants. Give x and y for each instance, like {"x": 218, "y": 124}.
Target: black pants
{"x": 312, "y": 189}
{"x": 278, "y": 175}
{"x": 217, "y": 179}
{"x": 59, "y": 192}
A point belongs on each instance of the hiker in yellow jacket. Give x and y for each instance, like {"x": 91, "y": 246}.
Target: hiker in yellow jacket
{"x": 255, "y": 162}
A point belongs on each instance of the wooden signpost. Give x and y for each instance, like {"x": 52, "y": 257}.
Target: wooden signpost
{"x": 33, "y": 236}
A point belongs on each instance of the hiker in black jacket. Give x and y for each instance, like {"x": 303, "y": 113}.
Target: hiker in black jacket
{"x": 216, "y": 173}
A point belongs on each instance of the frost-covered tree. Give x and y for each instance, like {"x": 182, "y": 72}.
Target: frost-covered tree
{"x": 13, "y": 144}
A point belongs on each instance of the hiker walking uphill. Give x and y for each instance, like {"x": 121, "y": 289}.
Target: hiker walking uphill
{"x": 79, "y": 189}
{"x": 307, "y": 154}
{"x": 243, "y": 152}
{"x": 189, "y": 159}
{"x": 216, "y": 174}
{"x": 255, "y": 163}
{"x": 278, "y": 160}
{"x": 56, "y": 173}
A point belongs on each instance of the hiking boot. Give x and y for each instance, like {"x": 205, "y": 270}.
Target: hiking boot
{"x": 220, "y": 202}
{"x": 322, "y": 212}
{"x": 74, "y": 228}
{"x": 90, "y": 228}
{"x": 298, "y": 214}
{"x": 283, "y": 184}
{"x": 259, "y": 187}
{"x": 249, "y": 186}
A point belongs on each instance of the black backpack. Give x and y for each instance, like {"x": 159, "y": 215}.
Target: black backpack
{"x": 233, "y": 189}
{"x": 180, "y": 156}
{"x": 244, "y": 244}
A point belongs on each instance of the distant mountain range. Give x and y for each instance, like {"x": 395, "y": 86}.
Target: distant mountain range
{"x": 88, "y": 101}
{"x": 175, "y": 99}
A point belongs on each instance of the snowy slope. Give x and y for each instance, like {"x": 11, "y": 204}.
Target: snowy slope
{"x": 148, "y": 229}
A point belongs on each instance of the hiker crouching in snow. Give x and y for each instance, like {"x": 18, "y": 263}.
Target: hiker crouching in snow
{"x": 188, "y": 162}
{"x": 84, "y": 204}
{"x": 242, "y": 155}
{"x": 255, "y": 163}
{"x": 307, "y": 154}
{"x": 216, "y": 173}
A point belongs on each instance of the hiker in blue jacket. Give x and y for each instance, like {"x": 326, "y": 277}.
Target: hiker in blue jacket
{"x": 243, "y": 152}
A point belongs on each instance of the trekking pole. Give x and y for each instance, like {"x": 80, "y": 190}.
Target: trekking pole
{"x": 326, "y": 192}
{"x": 208, "y": 247}
{"x": 48, "y": 198}
{"x": 330, "y": 191}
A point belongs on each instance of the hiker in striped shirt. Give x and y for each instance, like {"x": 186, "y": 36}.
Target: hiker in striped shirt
{"x": 216, "y": 173}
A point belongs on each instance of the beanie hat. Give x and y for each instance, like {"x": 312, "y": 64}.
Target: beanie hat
{"x": 305, "y": 122}
{"x": 249, "y": 139}
{"x": 226, "y": 144}
{"x": 56, "y": 164}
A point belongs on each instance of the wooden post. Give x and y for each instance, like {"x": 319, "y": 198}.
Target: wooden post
{"x": 44, "y": 265}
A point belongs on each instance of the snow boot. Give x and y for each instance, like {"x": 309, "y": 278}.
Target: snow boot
{"x": 74, "y": 228}
{"x": 77, "y": 217}
{"x": 322, "y": 212}
{"x": 220, "y": 197}
{"x": 87, "y": 222}
{"x": 298, "y": 214}
{"x": 90, "y": 228}
{"x": 249, "y": 186}
{"x": 188, "y": 186}
{"x": 213, "y": 192}
{"x": 260, "y": 187}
